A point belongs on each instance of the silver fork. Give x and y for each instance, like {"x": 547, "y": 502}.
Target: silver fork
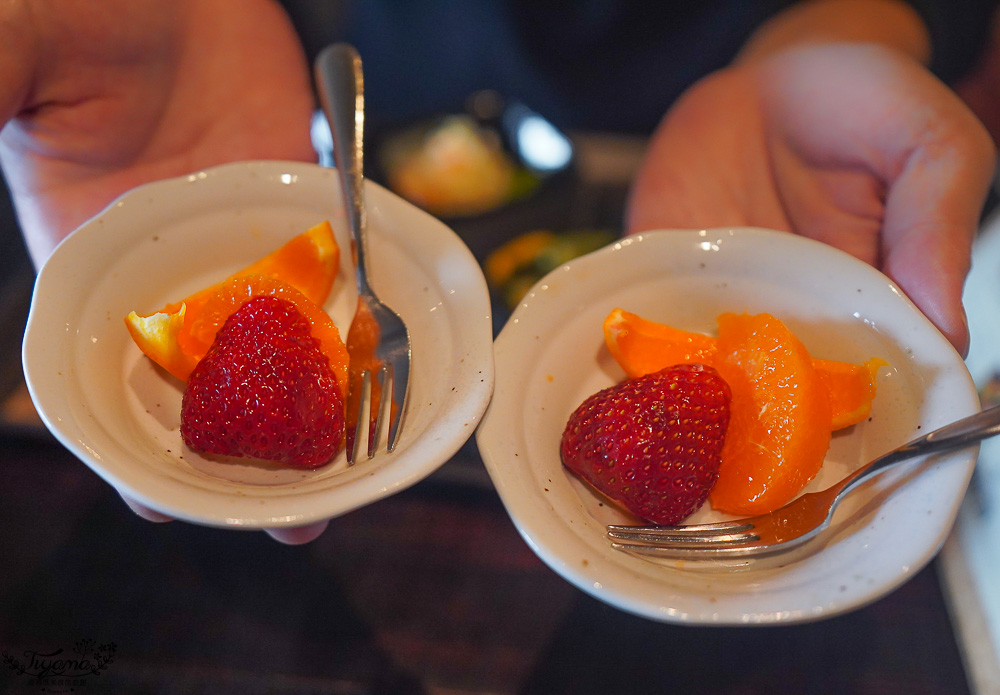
{"x": 799, "y": 520}
{"x": 377, "y": 340}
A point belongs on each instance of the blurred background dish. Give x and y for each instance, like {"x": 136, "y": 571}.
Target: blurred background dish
{"x": 486, "y": 171}
{"x": 462, "y": 165}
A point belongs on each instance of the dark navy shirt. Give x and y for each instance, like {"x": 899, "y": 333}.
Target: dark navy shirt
{"x": 596, "y": 64}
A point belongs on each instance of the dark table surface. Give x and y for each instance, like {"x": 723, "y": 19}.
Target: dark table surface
{"x": 430, "y": 591}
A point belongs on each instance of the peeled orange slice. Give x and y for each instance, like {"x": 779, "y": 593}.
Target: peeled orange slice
{"x": 309, "y": 262}
{"x": 851, "y": 388}
{"x": 641, "y": 346}
{"x": 779, "y": 427}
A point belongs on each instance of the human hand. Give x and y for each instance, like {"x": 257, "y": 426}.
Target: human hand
{"x": 101, "y": 97}
{"x": 854, "y": 145}
{"x": 98, "y": 98}
{"x": 296, "y": 535}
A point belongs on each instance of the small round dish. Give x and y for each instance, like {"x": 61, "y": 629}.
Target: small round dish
{"x": 550, "y": 356}
{"x": 120, "y": 414}
{"x": 464, "y": 166}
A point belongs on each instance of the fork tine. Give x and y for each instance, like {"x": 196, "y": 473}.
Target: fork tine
{"x": 397, "y": 405}
{"x": 360, "y": 384}
{"x": 685, "y": 539}
{"x": 378, "y": 407}
{"x": 366, "y": 390}
{"x": 721, "y": 527}
{"x": 688, "y": 551}
{"x": 679, "y": 537}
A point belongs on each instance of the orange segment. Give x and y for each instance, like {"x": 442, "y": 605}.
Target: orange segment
{"x": 851, "y": 388}
{"x": 156, "y": 336}
{"x": 309, "y": 262}
{"x": 196, "y": 337}
{"x": 779, "y": 428}
{"x": 641, "y": 346}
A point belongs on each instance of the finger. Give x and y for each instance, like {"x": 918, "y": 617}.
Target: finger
{"x": 299, "y": 534}
{"x": 19, "y": 57}
{"x": 932, "y": 214}
{"x": 871, "y": 110}
{"x": 145, "y": 512}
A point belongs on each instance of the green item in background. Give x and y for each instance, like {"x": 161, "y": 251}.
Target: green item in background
{"x": 516, "y": 266}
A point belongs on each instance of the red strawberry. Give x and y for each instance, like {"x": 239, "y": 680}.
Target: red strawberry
{"x": 265, "y": 390}
{"x": 652, "y": 443}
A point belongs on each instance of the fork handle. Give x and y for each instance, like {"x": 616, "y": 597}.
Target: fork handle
{"x": 340, "y": 83}
{"x": 965, "y": 432}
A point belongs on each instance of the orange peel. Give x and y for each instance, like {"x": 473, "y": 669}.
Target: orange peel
{"x": 308, "y": 262}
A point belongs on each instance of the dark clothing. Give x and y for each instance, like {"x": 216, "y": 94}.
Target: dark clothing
{"x": 613, "y": 65}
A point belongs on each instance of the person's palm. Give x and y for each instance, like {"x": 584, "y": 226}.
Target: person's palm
{"x": 852, "y": 146}
{"x": 119, "y": 93}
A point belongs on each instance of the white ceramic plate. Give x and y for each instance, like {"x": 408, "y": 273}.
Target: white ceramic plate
{"x": 550, "y": 356}
{"x": 120, "y": 414}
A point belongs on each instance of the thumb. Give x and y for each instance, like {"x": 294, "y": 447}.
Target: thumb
{"x": 931, "y": 217}
{"x": 888, "y": 115}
